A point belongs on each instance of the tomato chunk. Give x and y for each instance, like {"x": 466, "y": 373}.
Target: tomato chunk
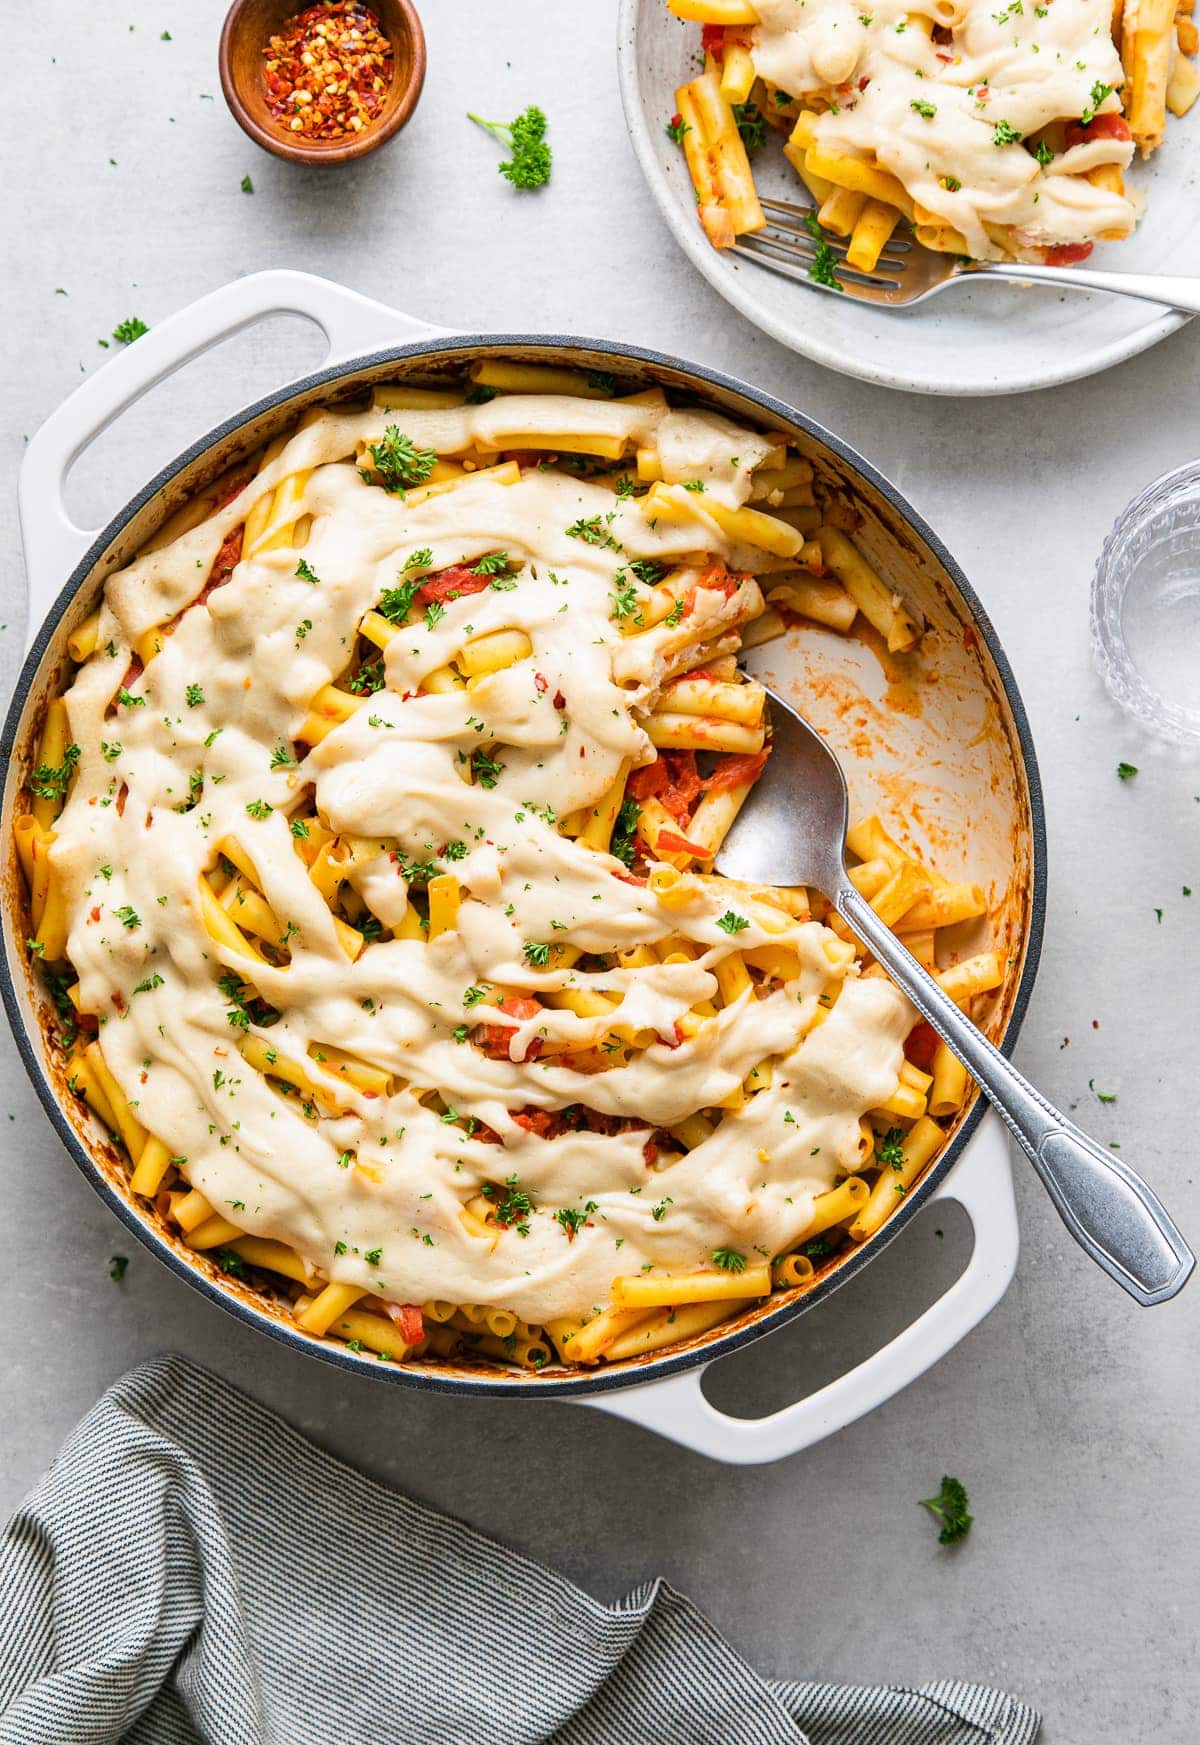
{"x": 224, "y": 564}
{"x": 671, "y": 843}
{"x": 921, "y": 1046}
{"x": 409, "y": 1319}
{"x": 546, "y": 1123}
{"x": 716, "y": 579}
{"x": 494, "y": 1039}
{"x": 672, "y": 779}
{"x": 738, "y": 771}
{"x": 1099, "y": 127}
{"x": 1067, "y": 254}
{"x": 450, "y": 584}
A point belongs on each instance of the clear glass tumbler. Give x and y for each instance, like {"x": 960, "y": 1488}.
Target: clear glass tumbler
{"x": 1146, "y": 608}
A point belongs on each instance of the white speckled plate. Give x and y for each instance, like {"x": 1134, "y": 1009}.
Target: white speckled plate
{"x": 982, "y": 339}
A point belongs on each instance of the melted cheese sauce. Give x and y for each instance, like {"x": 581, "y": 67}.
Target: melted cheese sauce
{"x": 234, "y": 681}
{"x": 1028, "y": 64}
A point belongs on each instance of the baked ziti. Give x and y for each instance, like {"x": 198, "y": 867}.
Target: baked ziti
{"x": 369, "y": 856}
{"x": 999, "y": 129}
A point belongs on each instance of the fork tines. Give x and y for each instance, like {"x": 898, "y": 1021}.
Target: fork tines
{"x": 789, "y": 247}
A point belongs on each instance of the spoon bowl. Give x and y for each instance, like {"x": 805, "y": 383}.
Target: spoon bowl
{"x": 792, "y": 831}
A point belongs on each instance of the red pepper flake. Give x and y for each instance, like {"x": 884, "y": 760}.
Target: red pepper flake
{"x": 559, "y": 701}
{"x": 327, "y": 71}
{"x": 541, "y": 682}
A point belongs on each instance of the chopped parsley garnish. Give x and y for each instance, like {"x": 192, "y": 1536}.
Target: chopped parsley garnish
{"x": 529, "y": 166}
{"x": 434, "y": 613}
{"x": 823, "y": 270}
{"x": 593, "y": 532}
{"x": 396, "y": 603}
{"x": 117, "y": 1267}
{"x": 58, "y": 985}
{"x": 950, "y": 1507}
{"x": 1043, "y": 153}
{"x": 368, "y": 679}
{"x": 148, "y": 985}
{"x": 373, "y": 1256}
{"x": 399, "y": 462}
{"x": 513, "y": 1206}
{"x": 51, "y": 783}
{"x": 572, "y": 1219}
{"x": 1099, "y": 93}
{"x": 128, "y": 916}
{"x": 624, "y": 598}
{"x": 536, "y": 954}
{"x": 922, "y": 106}
{"x": 676, "y": 128}
{"x": 129, "y": 700}
{"x": 418, "y": 560}
{"x": 194, "y": 696}
{"x": 486, "y": 770}
{"x": 646, "y": 570}
{"x": 890, "y": 1149}
{"x": 259, "y": 808}
{"x": 751, "y": 124}
{"x": 731, "y": 923}
{"x": 1004, "y": 133}
{"x": 497, "y": 563}
{"x": 729, "y": 1259}
{"x": 281, "y": 758}
{"x": 307, "y": 574}
{"x": 1127, "y": 771}
{"x": 624, "y": 830}
{"x": 473, "y": 996}
{"x": 299, "y": 829}
{"x": 129, "y": 330}
{"x": 247, "y": 185}
{"x": 231, "y": 1262}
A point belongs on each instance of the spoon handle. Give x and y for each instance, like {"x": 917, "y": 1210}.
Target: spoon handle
{"x": 1108, "y": 1208}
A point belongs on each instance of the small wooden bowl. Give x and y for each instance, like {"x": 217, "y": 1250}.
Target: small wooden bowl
{"x": 248, "y": 25}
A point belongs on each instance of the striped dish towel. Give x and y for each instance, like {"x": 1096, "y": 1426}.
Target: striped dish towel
{"x": 193, "y": 1572}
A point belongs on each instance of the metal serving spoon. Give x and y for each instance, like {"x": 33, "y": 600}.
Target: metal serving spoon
{"x": 792, "y": 831}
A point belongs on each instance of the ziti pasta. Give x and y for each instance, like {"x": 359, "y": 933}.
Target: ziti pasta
{"x": 998, "y": 130}
{"x": 369, "y": 857}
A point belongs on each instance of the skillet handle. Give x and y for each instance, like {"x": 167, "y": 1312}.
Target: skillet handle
{"x": 677, "y": 1409}
{"x": 352, "y": 324}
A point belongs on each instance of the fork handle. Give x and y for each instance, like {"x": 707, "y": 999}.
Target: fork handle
{"x": 1108, "y": 1209}
{"x": 1171, "y": 290}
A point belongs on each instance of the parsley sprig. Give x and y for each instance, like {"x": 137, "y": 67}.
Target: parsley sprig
{"x": 399, "y": 463}
{"x": 823, "y": 270}
{"x": 529, "y": 166}
{"x": 950, "y": 1507}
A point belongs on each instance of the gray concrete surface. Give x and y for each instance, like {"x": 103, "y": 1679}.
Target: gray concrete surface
{"x": 1071, "y": 1415}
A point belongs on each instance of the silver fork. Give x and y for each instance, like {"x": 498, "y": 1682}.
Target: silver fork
{"x": 907, "y": 273}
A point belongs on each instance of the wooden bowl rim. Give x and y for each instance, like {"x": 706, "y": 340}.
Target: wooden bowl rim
{"x": 279, "y": 144}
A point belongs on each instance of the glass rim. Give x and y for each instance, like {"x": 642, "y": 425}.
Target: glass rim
{"x": 1123, "y": 678}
